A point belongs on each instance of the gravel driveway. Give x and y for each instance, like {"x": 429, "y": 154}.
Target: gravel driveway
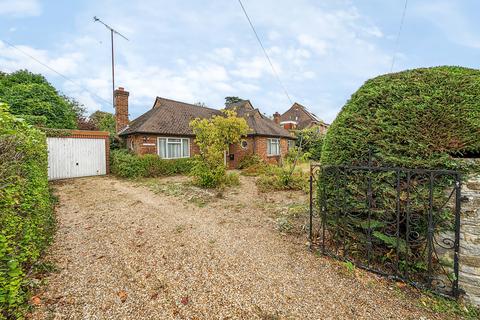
{"x": 124, "y": 252}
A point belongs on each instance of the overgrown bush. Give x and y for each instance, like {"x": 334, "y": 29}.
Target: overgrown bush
{"x": 249, "y": 160}
{"x": 255, "y": 170}
{"x": 26, "y": 214}
{"x": 213, "y": 137}
{"x": 275, "y": 178}
{"x": 128, "y": 165}
{"x": 206, "y": 177}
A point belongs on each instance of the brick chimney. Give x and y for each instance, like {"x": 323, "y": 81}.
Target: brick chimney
{"x": 276, "y": 117}
{"x": 121, "y": 109}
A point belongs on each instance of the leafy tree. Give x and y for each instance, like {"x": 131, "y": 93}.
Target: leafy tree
{"x": 233, "y": 99}
{"x": 213, "y": 137}
{"x": 105, "y": 121}
{"x": 200, "y": 104}
{"x": 31, "y": 96}
{"x": 311, "y": 141}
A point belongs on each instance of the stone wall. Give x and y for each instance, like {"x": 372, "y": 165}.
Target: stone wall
{"x": 469, "y": 275}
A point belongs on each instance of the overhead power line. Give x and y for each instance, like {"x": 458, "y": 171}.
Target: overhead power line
{"x": 397, "y": 40}
{"x": 53, "y": 70}
{"x": 265, "y": 52}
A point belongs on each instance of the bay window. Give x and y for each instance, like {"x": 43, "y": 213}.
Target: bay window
{"x": 173, "y": 148}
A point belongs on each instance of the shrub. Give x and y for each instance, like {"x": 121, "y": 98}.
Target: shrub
{"x": 206, "y": 177}
{"x": 213, "y": 137}
{"x": 26, "y": 220}
{"x": 128, "y": 165}
{"x": 232, "y": 179}
{"x": 255, "y": 170}
{"x": 249, "y": 160}
{"x": 281, "y": 178}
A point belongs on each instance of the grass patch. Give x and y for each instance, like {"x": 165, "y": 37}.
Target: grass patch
{"x": 449, "y": 307}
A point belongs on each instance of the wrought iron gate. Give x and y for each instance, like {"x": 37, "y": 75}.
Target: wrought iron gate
{"x": 398, "y": 222}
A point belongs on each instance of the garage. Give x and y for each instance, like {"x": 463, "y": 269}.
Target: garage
{"x": 78, "y": 154}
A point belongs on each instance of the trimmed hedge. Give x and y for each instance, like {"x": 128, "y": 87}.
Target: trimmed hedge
{"x": 26, "y": 220}
{"x": 421, "y": 118}
{"x": 415, "y": 118}
{"x": 128, "y": 165}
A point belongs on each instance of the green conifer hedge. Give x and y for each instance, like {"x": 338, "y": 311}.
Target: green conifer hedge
{"x": 415, "y": 118}
{"x": 26, "y": 214}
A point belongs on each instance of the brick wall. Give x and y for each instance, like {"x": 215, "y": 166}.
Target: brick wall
{"x": 147, "y": 144}
{"x": 121, "y": 109}
{"x": 256, "y": 145}
{"x": 240, "y": 152}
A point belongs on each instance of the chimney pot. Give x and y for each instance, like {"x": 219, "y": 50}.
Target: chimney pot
{"x": 276, "y": 117}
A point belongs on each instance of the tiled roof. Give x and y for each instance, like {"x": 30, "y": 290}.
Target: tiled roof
{"x": 169, "y": 117}
{"x": 258, "y": 123}
{"x": 172, "y": 117}
{"x": 301, "y": 116}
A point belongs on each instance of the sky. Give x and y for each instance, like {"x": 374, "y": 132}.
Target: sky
{"x": 202, "y": 51}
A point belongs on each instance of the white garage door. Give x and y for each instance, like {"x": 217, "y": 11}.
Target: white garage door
{"x": 75, "y": 157}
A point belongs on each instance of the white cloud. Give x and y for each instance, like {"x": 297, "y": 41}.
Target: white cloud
{"x": 12, "y": 59}
{"x": 191, "y": 53}
{"x": 319, "y": 46}
{"x": 225, "y": 55}
{"x": 20, "y": 8}
{"x": 253, "y": 68}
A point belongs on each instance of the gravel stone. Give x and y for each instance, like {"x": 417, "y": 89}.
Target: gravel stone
{"x": 125, "y": 252}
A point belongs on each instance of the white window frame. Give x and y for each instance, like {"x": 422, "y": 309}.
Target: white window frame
{"x": 277, "y": 142}
{"x": 291, "y": 144}
{"x": 182, "y": 140}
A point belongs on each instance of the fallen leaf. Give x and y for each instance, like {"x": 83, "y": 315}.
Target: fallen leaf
{"x": 36, "y": 300}
{"x": 122, "y": 294}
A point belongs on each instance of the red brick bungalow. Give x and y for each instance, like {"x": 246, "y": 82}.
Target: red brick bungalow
{"x": 164, "y": 130}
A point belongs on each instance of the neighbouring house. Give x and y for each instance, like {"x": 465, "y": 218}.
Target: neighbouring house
{"x": 164, "y": 130}
{"x": 298, "y": 118}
